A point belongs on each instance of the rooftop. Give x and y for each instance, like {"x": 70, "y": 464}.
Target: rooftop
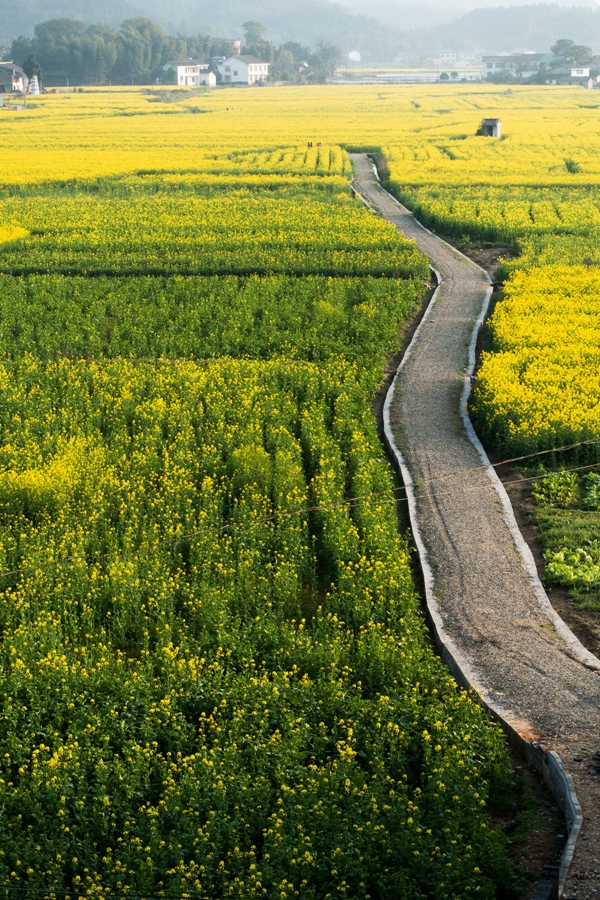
{"x": 189, "y": 62}
{"x": 12, "y": 67}
{"x": 250, "y": 60}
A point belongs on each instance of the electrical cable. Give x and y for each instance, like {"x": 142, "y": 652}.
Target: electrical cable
{"x": 283, "y": 514}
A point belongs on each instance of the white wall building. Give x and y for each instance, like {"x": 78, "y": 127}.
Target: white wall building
{"x": 243, "y": 70}
{"x": 12, "y": 78}
{"x": 458, "y": 59}
{"x": 526, "y": 63}
{"x": 192, "y": 73}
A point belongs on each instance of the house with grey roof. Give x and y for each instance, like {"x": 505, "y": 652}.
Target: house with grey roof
{"x": 243, "y": 70}
{"x": 12, "y": 78}
{"x": 525, "y": 64}
{"x": 580, "y": 75}
{"x": 192, "y": 72}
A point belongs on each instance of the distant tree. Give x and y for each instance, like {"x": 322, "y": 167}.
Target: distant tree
{"x": 503, "y": 76}
{"x": 169, "y": 77}
{"x": 97, "y": 51}
{"x": 285, "y": 58}
{"x": 32, "y": 67}
{"x": 540, "y": 76}
{"x": 20, "y": 49}
{"x": 453, "y": 75}
{"x": 444, "y": 77}
{"x": 198, "y": 46}
{"x": 141, "y": 48}
{"x": 519, "y": 65}
{"x": 325, "y": 60}
{"x": 55, "y": 32}
{"x": 283, "y": 66}
{"x": 220, "y": 48}
{"x": 301, "y": 54}
{"x": 253, "y": 31}
{"x": 56, "y": 47}
{"x": 568, "y": 53}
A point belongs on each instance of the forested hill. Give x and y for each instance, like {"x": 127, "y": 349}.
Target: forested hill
{"x": 536, "y": 27}
{"x": 400, "y": 28}
{"x": 305, "y": 21}
{"x": 21, "y": 18}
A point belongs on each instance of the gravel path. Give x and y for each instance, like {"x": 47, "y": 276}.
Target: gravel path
{"x": 524, "y": 662}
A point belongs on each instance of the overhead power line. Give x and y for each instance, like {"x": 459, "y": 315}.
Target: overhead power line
{"x": 243, "y": 527}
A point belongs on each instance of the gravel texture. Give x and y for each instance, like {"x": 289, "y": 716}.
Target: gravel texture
{"x": 496, "y": 615}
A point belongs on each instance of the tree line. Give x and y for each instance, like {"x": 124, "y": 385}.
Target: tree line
{"x": 65, "y": 51}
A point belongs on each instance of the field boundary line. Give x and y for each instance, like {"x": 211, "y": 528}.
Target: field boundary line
{"x": 547, "y": 763}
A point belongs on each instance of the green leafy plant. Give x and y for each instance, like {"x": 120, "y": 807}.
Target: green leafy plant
{"x": 591, "y": 491}
{"x": 558, "y": 489}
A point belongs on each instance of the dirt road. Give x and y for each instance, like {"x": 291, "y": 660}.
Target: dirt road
{"x": 480, "y": 583}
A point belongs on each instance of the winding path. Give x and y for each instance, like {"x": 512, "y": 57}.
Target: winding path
{"x": 491, "y": 614}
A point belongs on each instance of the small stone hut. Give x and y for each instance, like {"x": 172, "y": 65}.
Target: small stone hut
{"x": 491, "y": 127}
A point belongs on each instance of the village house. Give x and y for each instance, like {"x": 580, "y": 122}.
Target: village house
{"x": 12, "y": 78}
{"x": 571, "y": 75}
{"x": 192, "y": 73}
{"x": 243, "y": 70}
{"x": 458, "y": 58}
{"x": 526, "y": 64}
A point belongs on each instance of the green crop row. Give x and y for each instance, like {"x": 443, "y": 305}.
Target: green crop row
{"x": 166, "y": 233}
{"x": 214, "y": 676}
{"x": 311, "y": 318}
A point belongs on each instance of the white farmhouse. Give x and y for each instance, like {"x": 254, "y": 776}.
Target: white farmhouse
{"x": 192, "y": 73}
{"x": 526, "y": 63}
{"x": 570, "y": 75}
{"x": 12, "y": 78}
{"x": 243, "y": 70}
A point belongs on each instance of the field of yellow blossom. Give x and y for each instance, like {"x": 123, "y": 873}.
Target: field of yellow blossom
{"x": 215, "y": 680}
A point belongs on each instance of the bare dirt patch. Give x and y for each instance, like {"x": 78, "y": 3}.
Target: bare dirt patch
{"x": 533, "y": 824}
{"x": 487, "y": 256}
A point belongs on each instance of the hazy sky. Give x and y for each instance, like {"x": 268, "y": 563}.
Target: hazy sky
{"x": 455, "y": 6}
{"x": 409, "y": 14}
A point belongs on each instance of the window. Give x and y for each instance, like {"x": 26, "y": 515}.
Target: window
{"x": 235, "y": 71}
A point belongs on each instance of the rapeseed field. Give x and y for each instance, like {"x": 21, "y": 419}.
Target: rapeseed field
{"x": 215, "y": 680}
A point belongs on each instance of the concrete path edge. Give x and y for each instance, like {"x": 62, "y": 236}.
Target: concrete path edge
{"x": 576, "y": 648}
{"x": 547, "y": 763}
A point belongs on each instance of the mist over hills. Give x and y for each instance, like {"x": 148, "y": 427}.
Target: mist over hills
{"x": 305, "y": 21}
{"x": 408, "y": 16}
{"x": 390, "y": 29}
{"x": 16, "y": 19}
{"x": 535, "y": 27}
